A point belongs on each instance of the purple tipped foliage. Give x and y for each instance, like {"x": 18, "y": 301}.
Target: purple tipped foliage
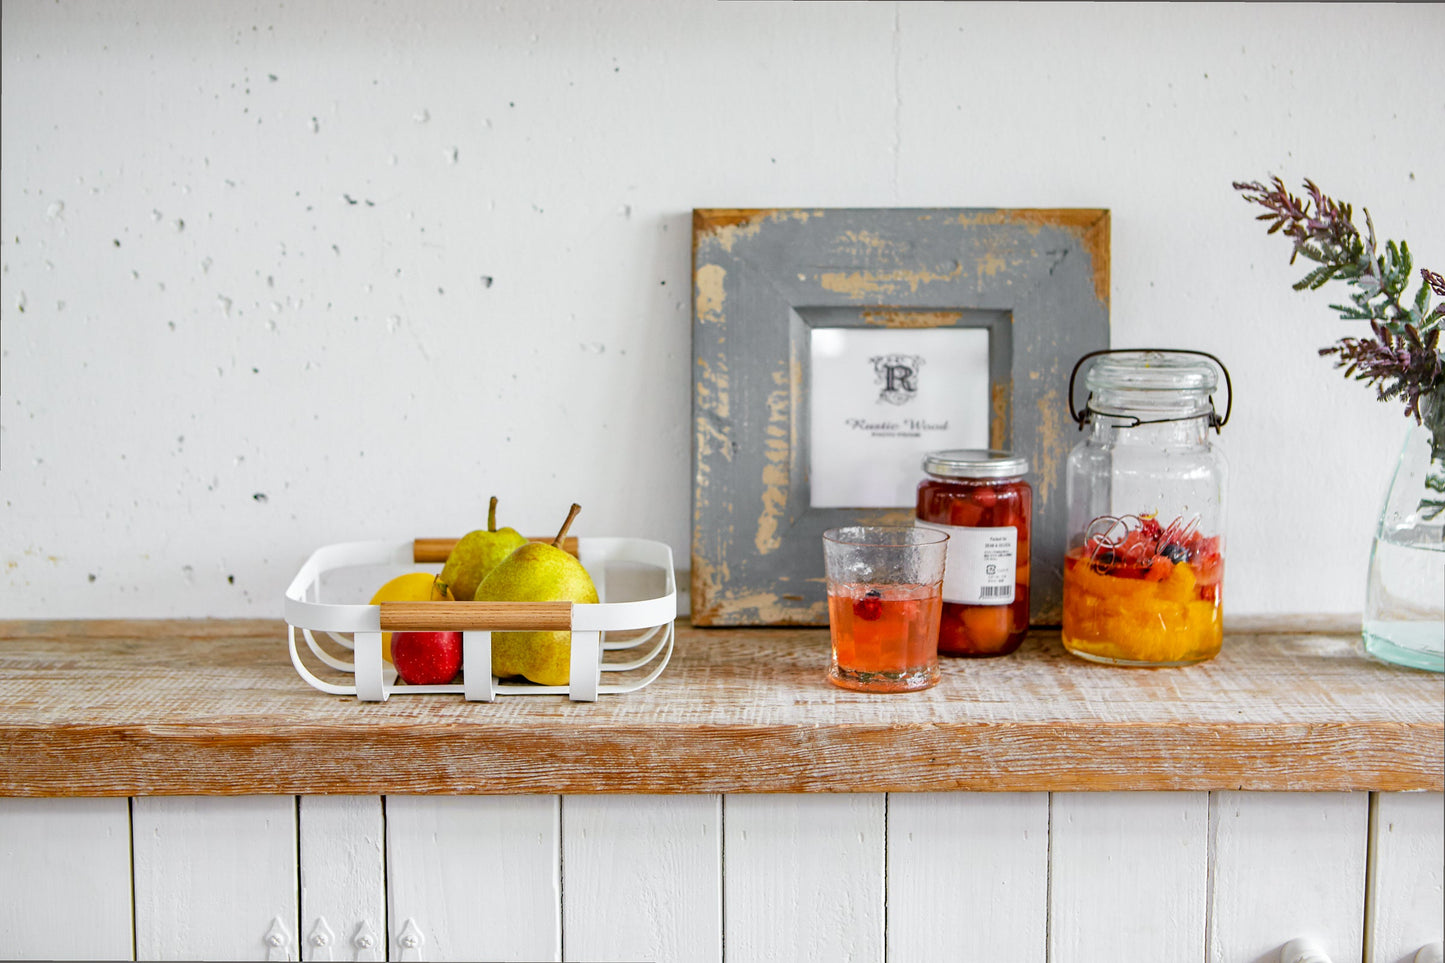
{"x": 1402, "y": 357}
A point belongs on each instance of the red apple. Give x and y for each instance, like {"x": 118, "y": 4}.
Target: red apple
{"x": 426, "y": 658}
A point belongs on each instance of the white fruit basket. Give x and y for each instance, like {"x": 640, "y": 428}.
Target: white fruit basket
{"x": 631, "y": 640}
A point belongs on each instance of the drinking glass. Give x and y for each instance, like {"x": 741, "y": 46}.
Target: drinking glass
{"x": 885, "y": 598}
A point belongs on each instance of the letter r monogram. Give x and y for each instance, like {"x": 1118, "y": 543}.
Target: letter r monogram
{"x": 900, "y": 378}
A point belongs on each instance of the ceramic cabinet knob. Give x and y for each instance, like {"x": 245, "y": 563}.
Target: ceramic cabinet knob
{"x": 1302, "y": 950}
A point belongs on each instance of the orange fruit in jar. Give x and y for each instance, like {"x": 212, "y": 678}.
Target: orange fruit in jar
{"x": 987, "y": 625}
{"x": 1179, "y": 586}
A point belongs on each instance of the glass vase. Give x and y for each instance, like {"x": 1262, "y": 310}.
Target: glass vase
{"x": 1405, "y": 595}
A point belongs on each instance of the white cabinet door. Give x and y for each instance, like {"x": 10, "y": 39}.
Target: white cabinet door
{"x": 65, "y": 879}
{"x": 1407, "y": 901}
{"x": 1287, "y": 866}
{"x": 343, "y": 878}
{"x": 474, "y": 877}
{"x": 1129, "y": 876}
{"x": 215, "y": 877}
{"x": 642, "y": 878}
{"x": 968, "y": 876}
{"x": 804, "y": 878}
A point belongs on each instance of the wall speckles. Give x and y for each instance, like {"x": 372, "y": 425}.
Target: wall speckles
{"x": 406, "y": 259}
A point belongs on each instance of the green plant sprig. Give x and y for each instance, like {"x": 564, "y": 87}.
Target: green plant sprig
{"x": 1402, "y": 358}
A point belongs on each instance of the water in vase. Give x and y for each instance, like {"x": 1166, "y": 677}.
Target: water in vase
{"x": 1405, "y": 608}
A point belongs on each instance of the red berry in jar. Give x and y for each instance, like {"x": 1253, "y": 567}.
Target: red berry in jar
{"x": 869, "y": 607}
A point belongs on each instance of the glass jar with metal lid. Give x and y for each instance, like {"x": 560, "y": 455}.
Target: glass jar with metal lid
{"x": 1144, "y": 565}
{"x": 981, "y": 498}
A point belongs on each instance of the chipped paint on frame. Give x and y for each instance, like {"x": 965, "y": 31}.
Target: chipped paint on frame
{"x": 710, "y": 293}
{"x": 1000, "y": 396}
{"x": 725, "y": 227}
{"x": 777, "y": 451}
{"x": 871, "y": 244}
{"x": 711, "y": 388}
{"x": 862, "y": 284}
{"x": 903, "y": 318}
{"x": 1055, "y": 445}
{"x": 1090, "y": 226}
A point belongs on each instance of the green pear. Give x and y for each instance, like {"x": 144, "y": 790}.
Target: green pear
{"x": 477, "y": 553}
{"x": 537, "y": 572}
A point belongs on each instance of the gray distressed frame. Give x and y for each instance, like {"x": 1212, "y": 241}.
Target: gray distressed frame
{"x": 1039, "y": 279}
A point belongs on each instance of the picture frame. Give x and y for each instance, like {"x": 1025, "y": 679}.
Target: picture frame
{"x": 768, "y": 284}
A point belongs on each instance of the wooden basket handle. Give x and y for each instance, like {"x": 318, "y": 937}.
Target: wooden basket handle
{"x": 437, "y": 549}
{"x": 461, "y": 616}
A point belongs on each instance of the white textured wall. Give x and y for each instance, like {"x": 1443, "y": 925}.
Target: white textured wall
{"x": 282, "y": 274}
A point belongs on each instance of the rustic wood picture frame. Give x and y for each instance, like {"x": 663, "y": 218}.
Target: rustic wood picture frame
{"x": 1038, "y": 279}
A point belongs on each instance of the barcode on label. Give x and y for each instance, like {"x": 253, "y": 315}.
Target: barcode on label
{"x": 995, "y": 591}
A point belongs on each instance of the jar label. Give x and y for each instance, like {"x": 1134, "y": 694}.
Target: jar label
{"x": 982, "y": 563}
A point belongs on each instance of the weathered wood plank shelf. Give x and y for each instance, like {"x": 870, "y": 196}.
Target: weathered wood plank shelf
{"x": 133, "y": 708}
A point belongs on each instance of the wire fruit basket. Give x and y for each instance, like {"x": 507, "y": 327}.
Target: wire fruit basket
{"x": 631, "y": 640}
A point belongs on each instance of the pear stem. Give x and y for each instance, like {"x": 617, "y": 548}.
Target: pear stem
{"x": 492, "y": 515}
{"x": 557, "y": 542}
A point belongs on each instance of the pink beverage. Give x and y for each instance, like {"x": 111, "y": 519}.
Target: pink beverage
{"x": 885, "y": 637}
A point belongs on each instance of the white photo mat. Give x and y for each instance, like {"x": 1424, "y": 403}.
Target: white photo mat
{"x": 882, "y": 398}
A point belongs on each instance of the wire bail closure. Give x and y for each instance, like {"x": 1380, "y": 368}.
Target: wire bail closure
{"x": 1081, "y": 416}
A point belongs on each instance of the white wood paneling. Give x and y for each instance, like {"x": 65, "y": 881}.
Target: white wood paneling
{"x": 215, "y": 877}
{"x": 474, "y": 877}
{"x": 1407, "y": 897}
{"x": 642, "y": 878}
{"x": 343, "y": 877}
{"x": 804, "y": 877}
{"x": 1128, "y": 876}
{"x": 65, "y": 879}
{"x": 1092, "y": 876}
{"x": 968, "y": 876}
{"x": 1287, "y": 866}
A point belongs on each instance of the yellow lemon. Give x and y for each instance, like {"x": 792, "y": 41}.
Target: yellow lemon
{"x": 411, "y": 587}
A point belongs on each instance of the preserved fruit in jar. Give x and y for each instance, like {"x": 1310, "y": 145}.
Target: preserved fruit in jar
{"x": 1144, "y": 566}
{"x": 1138, "y": 592}
{"x": 983, "y": 501}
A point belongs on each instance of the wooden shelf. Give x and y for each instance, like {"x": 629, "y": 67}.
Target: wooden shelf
{"x": 105, "y": 708}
